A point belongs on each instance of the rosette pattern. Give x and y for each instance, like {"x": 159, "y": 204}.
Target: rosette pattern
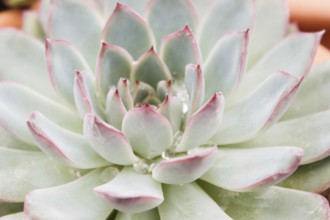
{"x": 163, "y": 109}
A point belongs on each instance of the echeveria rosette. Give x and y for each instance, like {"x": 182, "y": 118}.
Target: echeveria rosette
{"x": 172, "y": 109}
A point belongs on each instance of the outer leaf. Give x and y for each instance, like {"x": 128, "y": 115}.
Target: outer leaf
{"x": 114, "y": 109}
{"x": 80, "y": 201}
{"x": 195, "y": 85}
{"x": 23, "y": 171}
{"x": 63, "y": 60}
{"x": 113, "y": 63}
{"x": 294, "y": 55}
{"x": 260, "y": 109}
{"x": 131, "y": 192}
{"x": 17, "y": 102}
{"x": 271, "y": 25}
{"x": 202, "y": 125}
{"x": 148, "y": 131}
{"x": 314, "y": 177}
{"x": 226, "y": 64}
{"x": 148, "y": 215}
{"x": 85, "y": 96}
{"x": 189, "y": 202}
{"x": 63, "y": 145}
{"x": 185, "y": 169}
{"x": 236, "y": 15}
{"x": 234, "y": 169}
{"x": 171, "y": 108}
{"x": 22, "y": 60}
{"x": 150, "y": 69}
{"x": 127, "y": 29}
{"x": 107, "y": 141}
{"x": 8, "y": 140}
{"x": 270, "y": 203}
{"x": 79, "y": 23}
{"x": 179, "y": 49}
{"x": 161, "y": 14}
{"x": 316, "y": 85}
{"x": 309, "y": 132}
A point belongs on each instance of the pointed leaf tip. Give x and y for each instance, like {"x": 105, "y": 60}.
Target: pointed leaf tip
{"x": 148, "y": 131}
{"x": 185, "y": 169}
{"x": 150, "y": 69}
{"x": 131, "y": 192}
{"x": 118, "y": 31}
{"x": 203, "y": 124}
{"x": 179, "y": 49}
{"x": 61, "y": 144}
{"x": 107, "y": 141}
{"x": 234, "y": 171}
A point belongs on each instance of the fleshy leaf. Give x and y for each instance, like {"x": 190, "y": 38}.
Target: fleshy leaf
{"x": 150, "y": 69}
{"x": 125, "y": 93}
{"x": 8, "y": 140}
{"x": 189, "y": 201}
{"x": 185, "y": 169}
{"x": 166, "y": 17}
{"x": 271, "y": 25}
{"x": 171, "y": 108}
{"x": 314, "y": 177}
{"x": 79, "y": 23}
{"x": 74, "y": 200}
{"x": 271, "y": 203}
{"x": 128, "y": 30}
{"x": 131, "y": 192}
{"x": 202, "y": 7}
{"x": 22, "y": 60}
{"x": 202, "y": 125}
{"x": 85, "y": 95}
{"x": 147, "y": 215}
{"x": 141, "y": 91}
{"x": 114, "y": 109}
{"x": 195, "y": 85}
{"x": 63, "y": 60}
{"x": 107, "y": 6}
{"x": 14, "y": 113}
{"x": 225, "y": 16}
{"x": 309, "y": 132}
{"x": 164, "y": 88}
{"x": 62, "y": 145}
{"x": 226, "y": 64}
{"x": 316, "y": 85}
{"x": 234, "y": 169}
{"x": 260, "y": 109}
{"x": 113, "y": 63}
{"x": 107, "y": 141}
{"x": 294, "y": 54}
{"x": 23, "y": 171}
{"x": 148, "y": 131}
{"x": 179, "y": 49}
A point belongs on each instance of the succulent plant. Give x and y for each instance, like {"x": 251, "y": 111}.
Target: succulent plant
{"x": 164, "y": 109}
